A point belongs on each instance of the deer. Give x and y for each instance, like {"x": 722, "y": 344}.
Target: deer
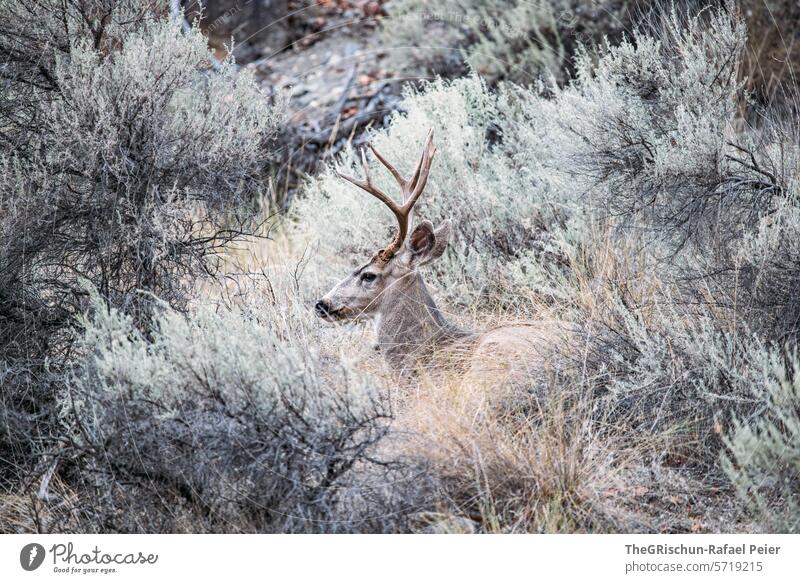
{"x": 410, "y": 329}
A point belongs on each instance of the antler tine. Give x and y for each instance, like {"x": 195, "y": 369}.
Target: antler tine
{"x": 397, "y": 176}
{"x": 408, "y": 186}
{"x": 365, "y": 166}
{"x": 423, "y": 169}
{"x": 415, "y": 177}
{"x": 367, "y": 185}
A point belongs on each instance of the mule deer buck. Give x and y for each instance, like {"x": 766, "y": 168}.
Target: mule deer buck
{"x": 410, "y": 328}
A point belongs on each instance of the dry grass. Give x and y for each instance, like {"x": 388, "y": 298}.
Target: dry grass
{"x": 544, "y": 470}
{"x": 772, "y": 59}
{"x": 567, "y": 462}
{"x": 53, "y": 512}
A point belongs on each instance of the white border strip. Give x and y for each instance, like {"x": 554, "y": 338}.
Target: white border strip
{"x": 355, "y": 558}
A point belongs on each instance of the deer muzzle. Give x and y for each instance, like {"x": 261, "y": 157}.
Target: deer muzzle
{"x": 324, "y": 310}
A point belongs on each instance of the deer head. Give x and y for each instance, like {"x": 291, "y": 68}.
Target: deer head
{"x": 376, "y": 287}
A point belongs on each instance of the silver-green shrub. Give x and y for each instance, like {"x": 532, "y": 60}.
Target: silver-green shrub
{"x": 763, "y": 458}
{"x": 133, "y": 153}
{"x": 124, "y": 161}
{"x": 228, "y": 419}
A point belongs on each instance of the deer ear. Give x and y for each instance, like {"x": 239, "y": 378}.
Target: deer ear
{"x": 442, "y": 233}
{"x": 427, "y": 244}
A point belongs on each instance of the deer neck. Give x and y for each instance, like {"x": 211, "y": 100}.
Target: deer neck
{"x": 410, "y": 326}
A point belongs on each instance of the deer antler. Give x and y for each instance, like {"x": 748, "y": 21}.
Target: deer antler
{"x": 411, "y": 190}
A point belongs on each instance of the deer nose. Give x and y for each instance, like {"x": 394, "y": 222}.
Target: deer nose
{"x": 321, "y": 308}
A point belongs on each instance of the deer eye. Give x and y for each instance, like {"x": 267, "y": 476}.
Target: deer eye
{"x": 368, "y": 277}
